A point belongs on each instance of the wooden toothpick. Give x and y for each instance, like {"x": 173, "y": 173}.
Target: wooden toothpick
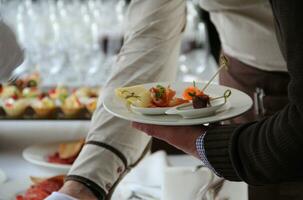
{"x": 223, "y": 65}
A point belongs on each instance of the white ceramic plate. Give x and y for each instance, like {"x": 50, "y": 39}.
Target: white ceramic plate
{"x": 11, "y": 189}
{"x": 188, "y": 112}
{"x": 37, "y": 154}
{"x": 149, "y": 111}
{"x": 239, "y": 103}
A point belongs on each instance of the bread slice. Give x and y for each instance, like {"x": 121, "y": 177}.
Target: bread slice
{"x": 135, "y": 95}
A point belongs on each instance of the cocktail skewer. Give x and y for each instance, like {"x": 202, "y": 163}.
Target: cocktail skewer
{"x": 223, "y": 65}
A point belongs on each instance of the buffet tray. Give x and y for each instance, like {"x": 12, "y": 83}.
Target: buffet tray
{"x": 22, "y": 133}
{"x": 57, "y": 116}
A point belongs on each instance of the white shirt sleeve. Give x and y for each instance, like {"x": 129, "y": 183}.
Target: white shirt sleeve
{"x": 150, "y": 51}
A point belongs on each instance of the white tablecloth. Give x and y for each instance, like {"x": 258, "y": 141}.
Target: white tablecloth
{"x": 16, "y": 135}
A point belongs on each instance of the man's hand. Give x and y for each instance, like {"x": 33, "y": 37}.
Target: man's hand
{"x": 182, "y": 137}
{"x": 77, "y": 190}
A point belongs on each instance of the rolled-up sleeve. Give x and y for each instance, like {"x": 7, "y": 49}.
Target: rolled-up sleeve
{"x": 149, "y": 53}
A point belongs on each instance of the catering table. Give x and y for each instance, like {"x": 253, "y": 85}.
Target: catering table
{"x": 16, "y": 135}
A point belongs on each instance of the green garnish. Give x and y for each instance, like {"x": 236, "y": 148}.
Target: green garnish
{"x": 62, "y": 97}
{"x": 161, "y": 91}
{"x": 130, "y": 95}
{"x": 32, "y": 83}
{"x": 192, "y": 94}
{"x": 158, "y": 95}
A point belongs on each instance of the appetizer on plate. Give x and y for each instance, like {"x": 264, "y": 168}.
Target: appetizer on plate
{"x": 165, "y": 97}
{"x": 88, "y": 97}
{"x": 41, "y": 188}
{"x": 198, "y": 97}
{"x": 83, "y": 92}
{"x": 72, "y": 107}
{"x": 31, "y": 80}
{"x": 9, "y": 91}
{"x": 194, "y": 94}
{"x": 67, "y": 152}
{"x": 18, "y": 94}
{"x": 15, "y": 107}
{"x": 160, "y": 100}
{"x": 59, "y": 93}
{"x": 44, "y": 106}
{"x": 156, "y": 97}
{"x": 238, "y": 103}
{"x": 92, "y": 105}
{"x": 136, "y": 95}
{"x": 31, "y": 92}
{"x": 201, "y": 104}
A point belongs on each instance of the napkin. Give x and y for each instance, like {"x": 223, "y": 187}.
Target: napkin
{"x": 182, "y": 183}
{"x": 154, "y": 179}
{"x": 145, "y": 180}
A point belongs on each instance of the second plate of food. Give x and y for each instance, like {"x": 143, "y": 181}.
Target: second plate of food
{"x": 31, "y": 188}
{"x": 57, "y": 156}
{"x": 237, "y": 103}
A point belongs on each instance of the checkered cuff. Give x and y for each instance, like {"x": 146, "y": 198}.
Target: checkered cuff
{"x": 202, "y": 154}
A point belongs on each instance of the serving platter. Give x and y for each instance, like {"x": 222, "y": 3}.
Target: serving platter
{"x": 37, "y": 155}
{"x": 149, "y": 111}
{"x": 57, "y": 115}
{"x": 238, "y": 103}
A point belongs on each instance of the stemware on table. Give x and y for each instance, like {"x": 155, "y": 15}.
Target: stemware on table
{"x": 75, "y": 42}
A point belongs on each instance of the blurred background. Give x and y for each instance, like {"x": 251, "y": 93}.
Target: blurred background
{"x": 75, "y": 42}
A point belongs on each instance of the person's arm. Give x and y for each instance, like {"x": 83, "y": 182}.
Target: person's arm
{"x": 149, "y": 54}
{"x": 264, "y": 152}
{"x": 268, "y": 151}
